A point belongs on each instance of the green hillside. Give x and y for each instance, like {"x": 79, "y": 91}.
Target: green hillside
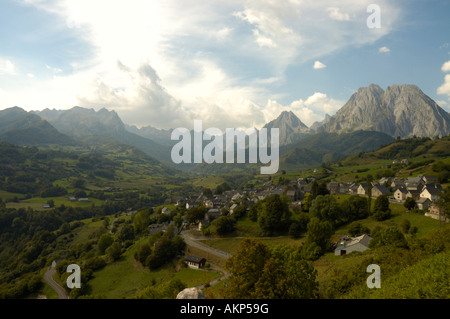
{"x": 425, "y": 156}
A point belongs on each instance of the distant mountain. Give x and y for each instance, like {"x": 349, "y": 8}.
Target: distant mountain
{"x": 316, "y": 125}
{"x": 84, "y": 124}
{"x": 22, "y": 128}
{"x": 160, "y": 136}
{"x": 291, "y": 127}
{"x": 400, "y": 110}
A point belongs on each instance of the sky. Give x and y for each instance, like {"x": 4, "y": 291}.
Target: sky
{"x": 229, "y": 63}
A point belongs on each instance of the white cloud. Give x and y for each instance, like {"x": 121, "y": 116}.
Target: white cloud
{"x": 319, "y": 65}
{"x": 53, "y": 69}
{"x": 384, "y": 50}
{"x": 446, "y": 67}
{"x": 308, "y": 111}
{"x": 174, "y": 55}
{"x": 263, "y": 41}
{"x": 445, "y": 87}
{"x": 7, "y": 67}
{"x": 336, "y": 14}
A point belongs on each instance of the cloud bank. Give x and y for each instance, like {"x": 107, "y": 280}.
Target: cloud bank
{"x": 165, "y": 63}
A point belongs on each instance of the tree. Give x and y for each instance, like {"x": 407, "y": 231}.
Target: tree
{"x": 126, "y": 232}
{"x": 239, "y": 211}
{"x": 390, "y": 236}
{"x": 295, "y": 230}
{"x": 444, "y": 204}
{"x": 369, "y": 192}
{"x": 286, "y": 277}
{"x": 225, "y": 225}
{"x": 165, "y": 290}
{"x": 253, "y": 212}
{"x": 104, "y": 242}
{"x": 319, "y": 189}
{"x": 274, "y": 214}
{"x": 410, "y": 203}
{"x": 259, "y": 272}
{"x": 381, "y": 208}
{"x": 79, "y": 194}
{"x": 326, "y": 208}
{"x": 405, "y": 225}
{"x": 319, "y": 232}
{"x": 143, "y": 252}
{"x": 141, "y": 220}
{"x": 246, "y": 267}
{"x": 207, "y": 192}
{"x": 196, "y": 213}
{"x": 357, "y": 229}
{"x": 51, "y": 203}
{"x": 79, "y": 183}
{"x": 165, "y": 249}
{"x": 222, "y": 188}
{"x": 354, "y": 208}
{"x": 306, "y": 203}
{"x": 114, "y": 251}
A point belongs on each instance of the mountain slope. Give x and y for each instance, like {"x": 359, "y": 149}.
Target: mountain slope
{"x": 22, "y": 128}
{"x": 85, "y": 123}
{"x": 291, "y": 127}
{"x": 161, "y": 137}
{"x": 400, "y": 110}
{"x": 312, "y": 150}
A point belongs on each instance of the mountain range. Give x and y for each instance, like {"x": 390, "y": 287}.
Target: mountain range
{"x": 92, "y": 126}
{"x": 371, "y": 117}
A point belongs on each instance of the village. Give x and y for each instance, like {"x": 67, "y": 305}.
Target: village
{"x": 424, "y": 190}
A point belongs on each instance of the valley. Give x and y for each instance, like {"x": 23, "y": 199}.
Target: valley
{"x": 81, "y": 187}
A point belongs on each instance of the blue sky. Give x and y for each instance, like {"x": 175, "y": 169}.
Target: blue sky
{"x": 229, "y": 63}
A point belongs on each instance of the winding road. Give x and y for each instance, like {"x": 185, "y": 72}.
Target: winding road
{"x": 192, "y": 241}
{"x": 48, "y": 278}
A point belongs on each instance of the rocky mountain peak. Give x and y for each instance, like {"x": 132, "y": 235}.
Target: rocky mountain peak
{"x": 291, "y": 127}
{"x": 400, "y": 110}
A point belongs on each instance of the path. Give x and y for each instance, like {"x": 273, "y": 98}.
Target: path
{"x": 191, "y": 240}
{"x": 48, "y": 278}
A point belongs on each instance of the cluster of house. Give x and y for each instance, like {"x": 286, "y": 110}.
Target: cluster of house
{"x": 229, "y": 200}
{"x": 423, "y": 189}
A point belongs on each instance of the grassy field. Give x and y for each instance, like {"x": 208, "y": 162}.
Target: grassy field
{"x": 37, "y": 203}
{"x": 193, "y": 277}
{"x": 210, "y": 182}
{"x": 125, "y": 277}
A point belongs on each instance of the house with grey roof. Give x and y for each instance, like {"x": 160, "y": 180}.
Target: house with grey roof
{"x": 379, "y": 190}
{"x": 432, "y": 192}
{"x": 348, "y": 244}
{"x": 195, "y": 262}
{"x": 362, "y": 189}
{"x": 424, "y": 203}
{"x": 400, "y": 193}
